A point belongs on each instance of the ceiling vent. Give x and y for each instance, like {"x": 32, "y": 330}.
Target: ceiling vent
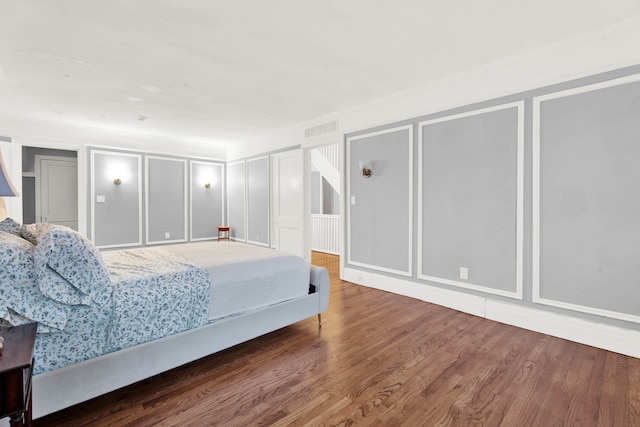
{"x": 322, "y": 129}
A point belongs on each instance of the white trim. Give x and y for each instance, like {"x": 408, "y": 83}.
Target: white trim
{"x": 247, "y": 207}
{"x": 347, "y": 174}
{"x": 146, "y": 199}
{"x": 612, "y": 338}
{"x": 518, "y": 293}
{"x": 536, "y": 172}
{"x": 93, "y": 197}
{"x": 191, "y": 185}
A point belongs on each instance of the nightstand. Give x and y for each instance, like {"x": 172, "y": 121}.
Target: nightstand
{"x": 224, "y": 232}
{"x": 16, "y": 369}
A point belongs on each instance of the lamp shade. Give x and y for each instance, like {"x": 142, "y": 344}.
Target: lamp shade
{"x": 6, "y": 187}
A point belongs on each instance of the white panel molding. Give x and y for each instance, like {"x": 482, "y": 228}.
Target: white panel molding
{"x": 247, "y": 206}
{"x": 93, "y": 197}
{"x": 535, "y": 252}
{"x": 612, "y": 338}
{"x": 409, "y": 271}
{"x": 191, "y": 183}
{"x": 146, "y": 198}
{"x": 518, "y": 292}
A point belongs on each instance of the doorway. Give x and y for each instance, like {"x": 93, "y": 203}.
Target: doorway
{"x": 50, "y": 186}
{"x": 325, "y": 205}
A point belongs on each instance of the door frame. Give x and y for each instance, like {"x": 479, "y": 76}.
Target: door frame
{"x": 336, "y": 139}
{"x": 82, "y": 172}
{"x": 275, "y": 198}
{"x": 38, "y": 181}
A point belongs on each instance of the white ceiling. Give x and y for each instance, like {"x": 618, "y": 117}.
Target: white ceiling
{"x": 232, "y": 70}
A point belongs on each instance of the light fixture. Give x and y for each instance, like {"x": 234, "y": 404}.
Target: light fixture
{"x": 6, "y": 188}
{"x": 117, "y": 181}
{"x": 365, "y": 167}
{"x": 207, "y": 185}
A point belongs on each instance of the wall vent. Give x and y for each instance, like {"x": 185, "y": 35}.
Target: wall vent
{"x": 322, "y": 129}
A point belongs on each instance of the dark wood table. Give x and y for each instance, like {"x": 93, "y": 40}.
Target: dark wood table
{"x": 16, "y": 369}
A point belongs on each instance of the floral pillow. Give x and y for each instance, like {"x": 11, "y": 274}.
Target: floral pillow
{"x": 58, "y": 288}
{"x": 32, "y": 232}
{"x": 75, "y": 259}
{"x": 19, "y": 292}
{"x": 9, "y": 225}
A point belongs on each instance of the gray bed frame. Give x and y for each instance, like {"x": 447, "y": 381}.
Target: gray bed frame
{"x": 64, "y": 387}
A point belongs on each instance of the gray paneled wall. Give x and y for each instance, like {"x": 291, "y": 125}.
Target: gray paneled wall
{"x": 588, "y": 233}
{"x": 161, "y": 196}
{"x": 116, "y": 210}
{"x": 532, "y": 197}
{"x": 166, "y": 199}
{"x": 236, "y": 180}
{"x": 468, "y": 200}
{"x": 207, "y": 201}
{"x": 380, "y": 207}
{"x": 258, "y": 200}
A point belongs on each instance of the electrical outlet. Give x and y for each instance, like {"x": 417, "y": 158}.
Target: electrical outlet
{"x": 167, "y": 235}
{"x": 464, "y": 273}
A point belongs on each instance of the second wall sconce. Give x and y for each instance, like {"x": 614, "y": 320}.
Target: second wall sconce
{"x": 207, "y": 185}
{"x": 365, "y": 167}
{"x": 117, "y": 181}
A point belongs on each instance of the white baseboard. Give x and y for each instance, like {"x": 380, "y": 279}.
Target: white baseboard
{"x": 612, "y": 338}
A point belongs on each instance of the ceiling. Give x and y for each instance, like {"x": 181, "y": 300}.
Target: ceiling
{"x": 226, "y": 71}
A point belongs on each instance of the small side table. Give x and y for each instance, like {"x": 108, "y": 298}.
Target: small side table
{"x": 224, "y": 232}
{"x": 16, "y": 370}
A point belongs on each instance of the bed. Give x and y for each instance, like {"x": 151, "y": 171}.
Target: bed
{"x": 109, "y": 319}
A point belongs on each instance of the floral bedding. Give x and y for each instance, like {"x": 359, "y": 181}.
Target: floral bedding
{"x": 87, "y": 303}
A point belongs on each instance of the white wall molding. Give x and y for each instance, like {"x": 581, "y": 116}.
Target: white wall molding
{"x": 517, "y": 292}
{"x": 193, "y": 180}
{"x": 92, "y": 184}
{"x": 347, "y": 175}
{"x": 185, "y": 193}
{"x": 536, "y": 194}
{"x": 612, "y": 338}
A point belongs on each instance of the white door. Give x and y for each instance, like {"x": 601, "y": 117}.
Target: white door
{"x": 57, "y": 191}
{"x": 288, "y": 202}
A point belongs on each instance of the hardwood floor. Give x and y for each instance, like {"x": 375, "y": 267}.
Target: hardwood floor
{"x": 382, "y": 359}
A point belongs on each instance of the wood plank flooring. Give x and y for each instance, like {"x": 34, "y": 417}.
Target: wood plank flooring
{"x": 382, "y": 359}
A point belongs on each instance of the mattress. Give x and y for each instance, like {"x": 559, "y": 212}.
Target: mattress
{"x": 246, "y": 277}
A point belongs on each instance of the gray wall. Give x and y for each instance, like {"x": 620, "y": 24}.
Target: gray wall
{"x": 157, "y": 194}
{"x": 236, "y": 180}
{"x": 578, "y": 246}
{"x": 258, "y": 177}
{"x": 469, "y": 176}
{"x": 207, "y": 204}
{"x": 166, "y": 200}
{"x": 117, "y": 220}
{"x": 379, "y": 207}
{"x": 589, "y": 199}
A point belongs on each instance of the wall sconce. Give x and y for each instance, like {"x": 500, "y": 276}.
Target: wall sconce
{"x": 365, "y": 167}
{"x": 117, "y": 181}
{"x": 207, "y": 185}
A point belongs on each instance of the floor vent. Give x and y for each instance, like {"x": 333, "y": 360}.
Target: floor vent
{"x": 321, "y": 129}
